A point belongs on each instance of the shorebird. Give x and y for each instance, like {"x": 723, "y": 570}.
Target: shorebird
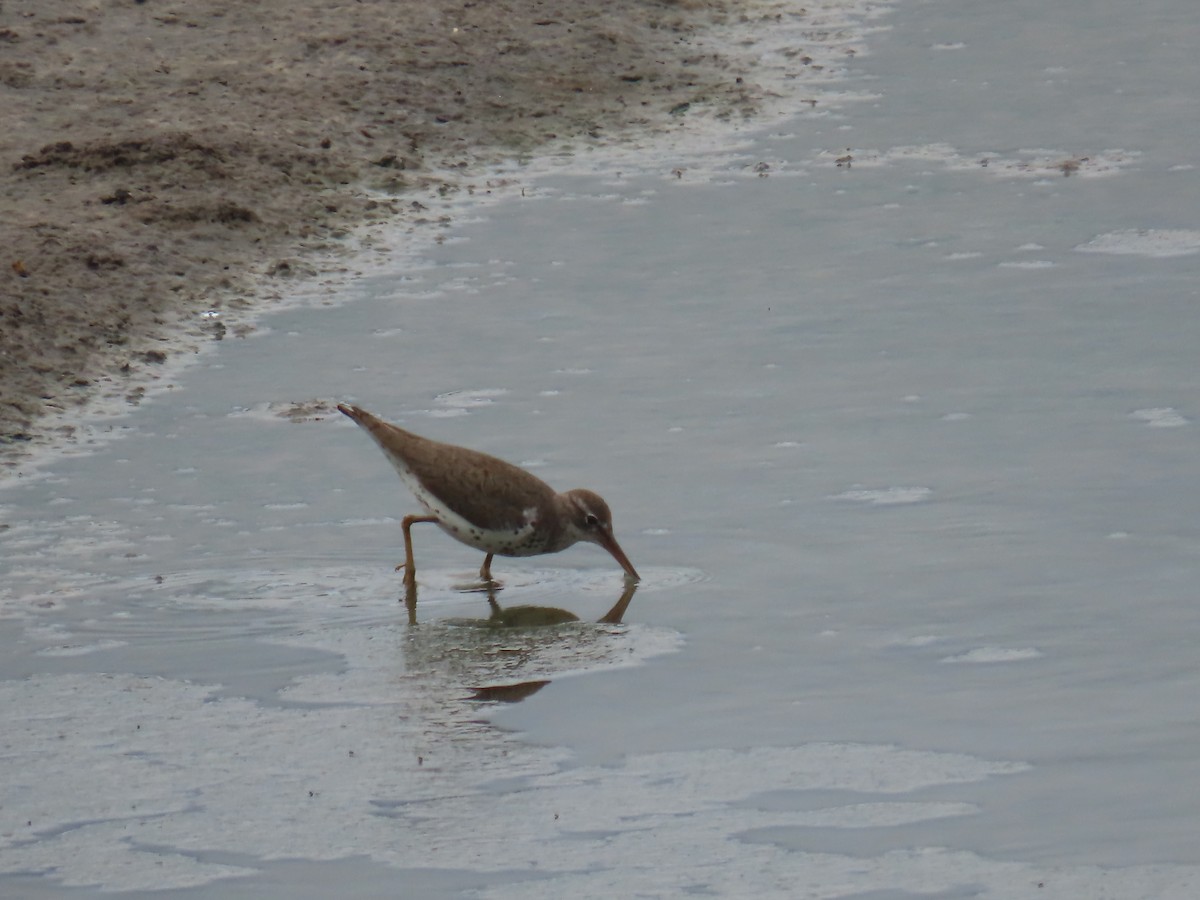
{"x": 487, "y": 503}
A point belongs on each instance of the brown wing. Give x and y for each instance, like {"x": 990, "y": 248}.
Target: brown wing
{"x": 486, "y": 491}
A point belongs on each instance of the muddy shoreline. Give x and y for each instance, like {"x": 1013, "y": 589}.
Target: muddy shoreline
{"x": 167, "y": 164}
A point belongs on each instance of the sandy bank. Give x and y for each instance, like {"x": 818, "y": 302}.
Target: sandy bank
{"x": 164, "y": 163}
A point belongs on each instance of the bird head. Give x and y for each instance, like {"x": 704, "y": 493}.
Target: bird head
{"x": 590, "y": 519}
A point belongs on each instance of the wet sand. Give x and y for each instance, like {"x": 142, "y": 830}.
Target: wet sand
{"x": 167, "y": 164}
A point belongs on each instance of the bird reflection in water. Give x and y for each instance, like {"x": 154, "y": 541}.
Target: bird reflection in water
{"x": 523, "y": 616}
{"x": 527, "y": 616}
{"x": 537, "y": 637}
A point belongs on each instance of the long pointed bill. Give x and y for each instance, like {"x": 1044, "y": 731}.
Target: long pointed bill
{"x": 609, "y": 543}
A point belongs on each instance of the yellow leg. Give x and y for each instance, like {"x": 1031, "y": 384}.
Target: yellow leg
{"x": 410, "y": 601}
{"x": 409, "y": 566}
{"x": 485, "y": 573}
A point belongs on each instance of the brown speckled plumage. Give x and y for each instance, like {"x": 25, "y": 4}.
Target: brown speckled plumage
{"x": 486, "y": 502}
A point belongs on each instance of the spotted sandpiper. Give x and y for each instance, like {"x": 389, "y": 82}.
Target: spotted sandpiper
{"x": 487, "y": 503}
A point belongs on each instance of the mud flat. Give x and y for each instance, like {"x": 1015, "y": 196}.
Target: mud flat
{"x": 168, "y": 168}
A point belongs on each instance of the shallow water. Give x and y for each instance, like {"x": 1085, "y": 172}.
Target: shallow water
{"x": 905, "y": 452}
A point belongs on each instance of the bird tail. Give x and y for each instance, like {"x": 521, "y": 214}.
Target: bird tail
{"x": 360, "y": 416}
{"x": 372, "y": 424}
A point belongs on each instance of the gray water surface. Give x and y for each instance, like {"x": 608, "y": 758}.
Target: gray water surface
{"x": 905, "y": 450}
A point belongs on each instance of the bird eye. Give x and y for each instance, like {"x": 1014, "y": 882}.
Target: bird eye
{"x": 590, "y": 520}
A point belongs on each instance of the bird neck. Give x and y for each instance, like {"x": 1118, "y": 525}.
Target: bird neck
{"x": 561, "y": 532}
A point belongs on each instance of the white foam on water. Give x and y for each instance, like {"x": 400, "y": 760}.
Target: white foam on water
{"x": 1157, "y": 243}
{"x": 890, "y": 496}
